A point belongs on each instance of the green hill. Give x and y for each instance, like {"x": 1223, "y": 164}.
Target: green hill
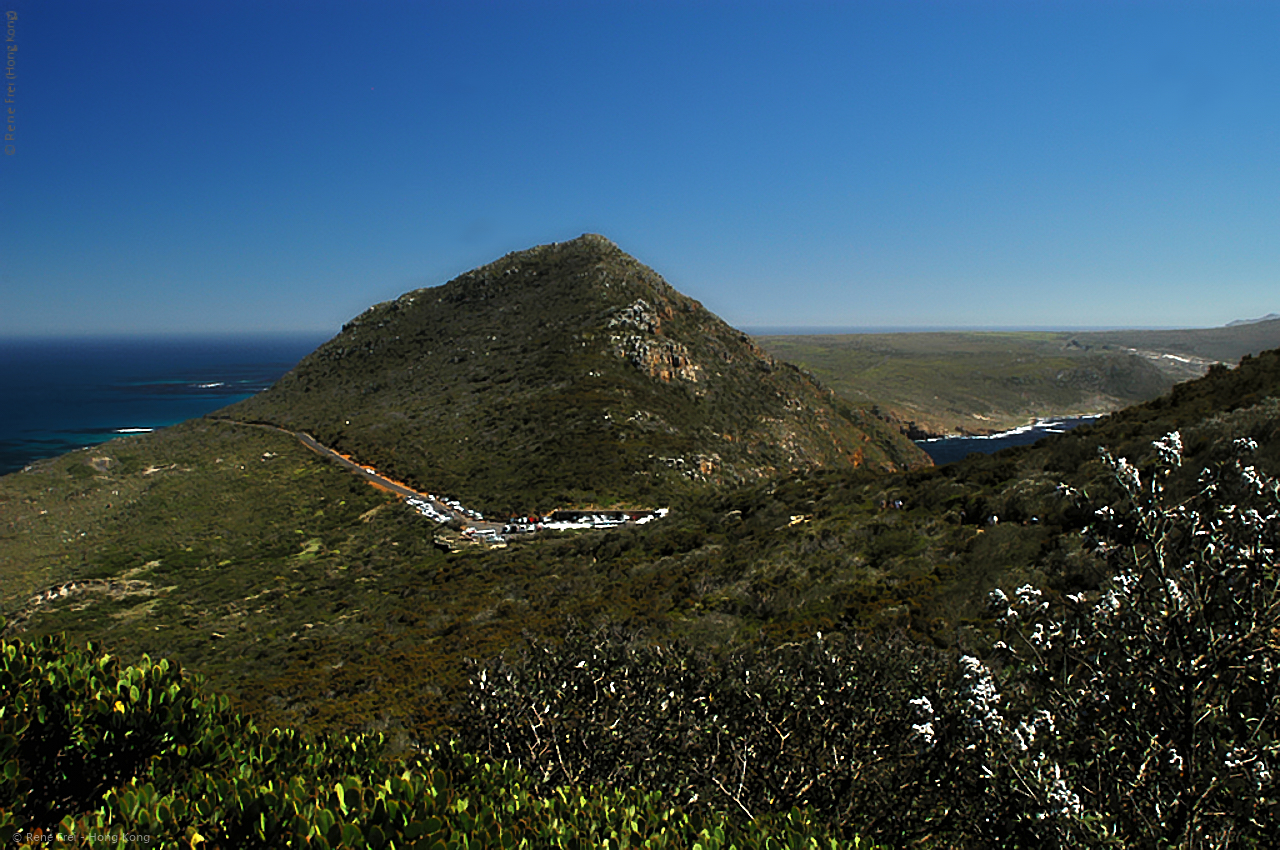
{"x": 933, "y": 384}
{"x": 568, "y": 373}
{"x": 741, "y": 624}
{"x": 766, "y": 645}
{"x": 318, "y": 600}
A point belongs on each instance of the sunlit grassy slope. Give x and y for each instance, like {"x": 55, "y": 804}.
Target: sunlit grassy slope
{"x": 982, "y": 382}
{"x": 320, "y": 601}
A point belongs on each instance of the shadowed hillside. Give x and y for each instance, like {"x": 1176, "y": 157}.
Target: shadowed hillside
{"x": 566, "y": 373}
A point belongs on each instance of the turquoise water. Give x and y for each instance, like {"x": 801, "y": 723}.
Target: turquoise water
{"x": 64, "y": 394}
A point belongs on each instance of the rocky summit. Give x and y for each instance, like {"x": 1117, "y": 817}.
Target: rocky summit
{"x": 567, "y": 373}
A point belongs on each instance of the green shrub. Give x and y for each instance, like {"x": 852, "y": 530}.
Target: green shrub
{"x": 1141, "y": 713}
{"x": 139, "y": 753}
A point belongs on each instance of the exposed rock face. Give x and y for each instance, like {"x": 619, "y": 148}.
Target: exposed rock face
{"x": 566, "y": 372}
{"x": 638, "y": 338}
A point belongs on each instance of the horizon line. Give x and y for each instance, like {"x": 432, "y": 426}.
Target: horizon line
{"x": 107, "y": 336}
{"x": 836, "y": 330}
{"x": 751, "y": 330}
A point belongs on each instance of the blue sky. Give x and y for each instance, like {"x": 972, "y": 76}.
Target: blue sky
{"x": 191, "y": 167}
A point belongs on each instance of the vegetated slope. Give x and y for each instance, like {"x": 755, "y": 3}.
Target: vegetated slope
{"x": 566, "y": 373}
{"x": 319, "y": 601}
{"x": 1224, "y": 405}
{"x": 1225, "y": 344}
{"x": 1050, "y": 742}
{"x": 932, "y": 384}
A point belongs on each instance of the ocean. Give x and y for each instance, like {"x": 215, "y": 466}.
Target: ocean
{"x": 64, "y": 394}
{"x": 949, "y": 449}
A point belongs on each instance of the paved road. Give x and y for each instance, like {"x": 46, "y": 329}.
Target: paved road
{"x": 373, "y": 477}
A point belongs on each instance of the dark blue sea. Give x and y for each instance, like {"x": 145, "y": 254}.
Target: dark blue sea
{"x": 950, "y": 449}
{"x": 64, "y": 394}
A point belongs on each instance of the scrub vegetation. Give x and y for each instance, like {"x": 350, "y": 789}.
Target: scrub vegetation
{"x": 567, "y": 374}
{"x": 143, "y": 754}
{"x": 935, "y": 384}
{"x": 797, "y": 658}
{"x": 1136, "y": 712}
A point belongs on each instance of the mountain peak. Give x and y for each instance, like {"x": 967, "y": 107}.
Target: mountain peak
{"x": 595, "y": 240}
{"x": 1270, "y": 317}
{"x": 568, "y": 372}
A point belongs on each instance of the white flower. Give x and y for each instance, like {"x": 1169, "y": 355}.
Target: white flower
{"x": 1170, "y": 448}
{"x": 1027, "y": 595}
{"x": 1065, "y": 801}
{"x": 1128, "y": 474}
{"x": 1108, "y": 606}
{"x": 981, "y": 697}
{"x": 924, "y": 731}
{"x": 1126, "y": 582}
{"x": 998, "y": 604}
{"x": 1253, "y": 479}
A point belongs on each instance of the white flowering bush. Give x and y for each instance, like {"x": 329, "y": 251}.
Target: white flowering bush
{"x": 1139, "y": 713}
{"x": 827, "y": 724}
{"x": 1145, "y": 714}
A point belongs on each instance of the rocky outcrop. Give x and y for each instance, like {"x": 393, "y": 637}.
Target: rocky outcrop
{"x": 567, "y": 368}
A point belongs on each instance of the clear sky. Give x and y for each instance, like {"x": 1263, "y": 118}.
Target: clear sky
{"x": 281, "y": 165}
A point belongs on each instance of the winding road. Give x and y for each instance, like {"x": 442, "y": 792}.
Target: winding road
{"x": 373, "y": 477}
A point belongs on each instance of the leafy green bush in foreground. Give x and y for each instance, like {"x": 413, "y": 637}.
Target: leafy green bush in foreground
{"x": 89, "y": 746}
{"x": 1141, "y": 713}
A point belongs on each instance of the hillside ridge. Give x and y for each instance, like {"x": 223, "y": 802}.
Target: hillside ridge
{"x": 567, "y": 373}
{"x": 934, "y": 384}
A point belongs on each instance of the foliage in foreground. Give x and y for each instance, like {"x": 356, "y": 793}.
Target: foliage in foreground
{"x": 89, "y": 746}
{"x": 1142, "y": 713}
{"x": 817, "y": 724}
{"x": 1146, "y": 714}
